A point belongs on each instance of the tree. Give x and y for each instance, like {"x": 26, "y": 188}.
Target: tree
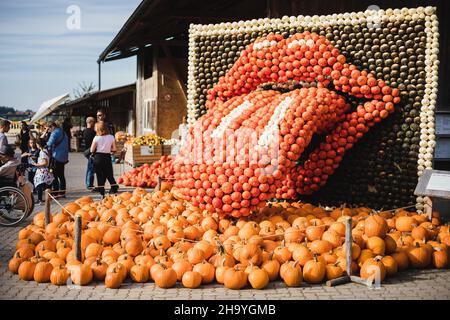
{"x": 83, "y": 89}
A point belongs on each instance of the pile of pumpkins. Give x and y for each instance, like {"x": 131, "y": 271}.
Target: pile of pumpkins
{"x": 158, "y": 237}
{"x": 147, "y": 174}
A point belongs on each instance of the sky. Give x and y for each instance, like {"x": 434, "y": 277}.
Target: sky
{"x": 45, "y": 52}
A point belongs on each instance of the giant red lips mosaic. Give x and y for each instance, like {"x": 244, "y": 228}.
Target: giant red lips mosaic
{"x": 245, "y": 149}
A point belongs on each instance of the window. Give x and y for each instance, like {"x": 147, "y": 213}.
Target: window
{"x": 149, "y": 116}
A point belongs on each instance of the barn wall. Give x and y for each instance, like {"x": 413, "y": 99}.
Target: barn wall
{"x": 146, "y": 88}
{"x": 171, "y": 99}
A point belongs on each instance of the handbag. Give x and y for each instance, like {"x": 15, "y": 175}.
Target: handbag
{"x": 87, "y": 153}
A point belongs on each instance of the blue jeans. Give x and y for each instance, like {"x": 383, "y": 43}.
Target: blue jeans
{"x": 90, "y": 174}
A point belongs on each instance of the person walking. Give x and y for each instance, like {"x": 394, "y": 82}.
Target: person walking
{"x": 101, "y": 116}
{"x": 5, "y": 125}
{"x": 58, "y": 144}
{"x": 24, "y": 137}
{"x": 102, "y": 146}
{"x": 88, "y": 136}
{"x": 67, "y": 126}
{"x": 43, "y": 178}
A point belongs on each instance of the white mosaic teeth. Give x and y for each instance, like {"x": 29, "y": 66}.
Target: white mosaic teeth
{"x": 225, "y": 122}
{"x": 271, "y": 129}
{"x": 301, "y": 42}
{"x": 264, "y": 44}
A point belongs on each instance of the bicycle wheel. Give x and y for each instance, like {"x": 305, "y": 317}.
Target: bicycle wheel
{"x": 13, "y": 206}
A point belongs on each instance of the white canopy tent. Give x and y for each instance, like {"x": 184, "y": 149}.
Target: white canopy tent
{"x": 48, "y": 107}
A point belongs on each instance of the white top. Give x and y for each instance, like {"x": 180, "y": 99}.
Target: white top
{"x": 104, "y": 144}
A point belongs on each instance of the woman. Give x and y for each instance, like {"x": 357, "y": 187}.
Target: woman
{"x": 67, "y": 126}
{"x": 58, "y": 145}
{"x": 102, "y": 146}
{"x": 43, "y": 177}
{"x": 45, "y": 134}
{"x": 24, "y": 136}
{"x": 88, "y": 137}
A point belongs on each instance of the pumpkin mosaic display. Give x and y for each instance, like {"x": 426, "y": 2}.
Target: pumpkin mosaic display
{"x": 399, "y": 47}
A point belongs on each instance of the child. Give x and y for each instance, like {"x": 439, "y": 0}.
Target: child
{"x": 30, "y": 157}
{"x": 43, "y": 178}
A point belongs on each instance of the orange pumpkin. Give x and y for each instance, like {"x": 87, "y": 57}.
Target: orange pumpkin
{"x": 419, "y": 256}
{"x": 314, "y": 271}
{"x": 234, "y": 278}
{"x": 191, "y": 279}
{"x": 139, "y": 273}
{"x": 439, "y": 258}
{"x": 181, "y": 267}
{"x": 59, "y": 276}
{"x": 377, "y": 245}
{"x": 166, "y": 278}
{"x": 113, "y": 279}
{"x": 375, "y": 226}
{"x": 81, "y": 274}
{"x": 258, "y": 278}
{"x": 405, "y": 223}
{"x": 373, "y": 269}
{"x": 42, "y": 272}
{"x": 333, "y": 271}
{"x": 402, "y": 260}
{"x": 320, "y": 246}
{"x": 26, "y": 270}
{"x": 390, "y": 265}
{"x": 206, "y": 270}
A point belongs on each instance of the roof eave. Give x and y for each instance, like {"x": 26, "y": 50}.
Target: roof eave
{"x": 113, "y": 44}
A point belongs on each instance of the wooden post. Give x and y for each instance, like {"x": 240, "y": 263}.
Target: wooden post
{"x": 77, "y": 237}
{"x": 158, "y": 185}
{"x": 428, "y": 208}
{"x": 47, "y": 209}
{"x": 348, "y": 261}
{"x": 361, "y": 281}
{"x": 348, "y": 257}
{"x": 348, "y": 246}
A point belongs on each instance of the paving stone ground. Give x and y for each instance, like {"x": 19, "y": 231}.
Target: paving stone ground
{"x": 412, "y": 284}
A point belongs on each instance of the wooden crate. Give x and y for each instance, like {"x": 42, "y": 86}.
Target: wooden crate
{"x": 75, "y": 144}
{"x": 138, "y": 155}
{"x": 119, "y": 147}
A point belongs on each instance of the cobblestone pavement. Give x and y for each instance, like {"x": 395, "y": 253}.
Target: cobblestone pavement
{"x": 413, "y": 284}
